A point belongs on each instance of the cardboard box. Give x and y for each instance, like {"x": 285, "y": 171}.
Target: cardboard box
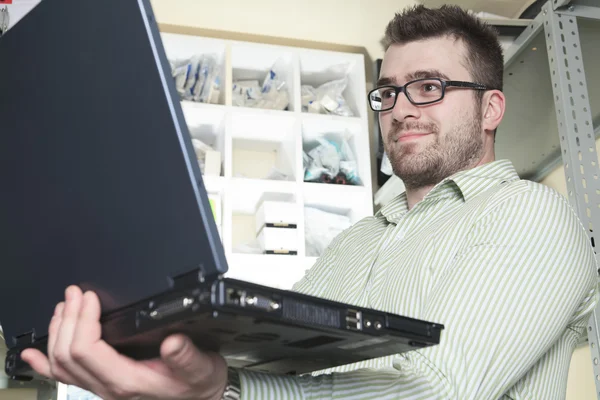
{"x": 278, "y": 240}
{"x": 277, "y": 214}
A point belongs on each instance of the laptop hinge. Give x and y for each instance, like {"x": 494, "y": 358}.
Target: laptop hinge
{"x": 188, "y": 279}
{"x": 25, "y": 339}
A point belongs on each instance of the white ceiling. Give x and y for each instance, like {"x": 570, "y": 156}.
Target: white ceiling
{"x": 504, "y": 8}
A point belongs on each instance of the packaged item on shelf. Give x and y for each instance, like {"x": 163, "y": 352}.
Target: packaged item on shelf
{"x": 198, "y": 78}
{"x": 209, "y": 159}
{"x": 331, "y": 161}
{"x": 326, "y": 99}
{"x": 278, "y": 240}
{"x": 273, "y": 93}
{"x": 276, "y": 214}
{"x": 320, "y": 228}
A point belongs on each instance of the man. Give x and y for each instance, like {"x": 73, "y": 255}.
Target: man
{"x": 503, "y": 263}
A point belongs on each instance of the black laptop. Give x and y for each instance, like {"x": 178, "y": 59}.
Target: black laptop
{"x": 101, "y": 188}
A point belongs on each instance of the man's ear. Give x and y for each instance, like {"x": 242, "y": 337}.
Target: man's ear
{"x": 493, "y": 109}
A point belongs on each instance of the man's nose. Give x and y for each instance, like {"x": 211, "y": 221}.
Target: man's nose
{"x": 404, "y": 108}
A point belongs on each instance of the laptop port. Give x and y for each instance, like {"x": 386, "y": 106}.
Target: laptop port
{"x": 171, "y": 307}
{"x": 10, "y": 363}
{"x": 354, "y": 320}
{"x": 236, "y": 297}
{"x": 262, "y": 302}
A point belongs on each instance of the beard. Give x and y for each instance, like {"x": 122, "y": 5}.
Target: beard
{"x": 455, "y": 151}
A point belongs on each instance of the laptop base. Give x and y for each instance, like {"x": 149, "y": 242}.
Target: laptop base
{"x": 254, "y": 327}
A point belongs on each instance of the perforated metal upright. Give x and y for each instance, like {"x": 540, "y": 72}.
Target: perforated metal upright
{"x": 575, "y": 125}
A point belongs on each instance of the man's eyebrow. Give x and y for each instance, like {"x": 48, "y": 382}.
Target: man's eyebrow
{"x": 426, "y": 73}
{"x": 419, "y": 74}
{"x": 385, "y": 80}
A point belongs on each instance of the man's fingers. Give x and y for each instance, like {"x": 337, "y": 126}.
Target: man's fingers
{"x": 60, "y": 353}
{"x": 123, "y": 378}
{"x": 63, "y": 367}
{"x": 38, "y": 361}
{"x": 190, "y": 364}
{"x": 54, "y": 327}
{"x": 88, "y": 330}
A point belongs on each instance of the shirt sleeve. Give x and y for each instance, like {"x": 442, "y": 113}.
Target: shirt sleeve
{"x": 531, "y": 287}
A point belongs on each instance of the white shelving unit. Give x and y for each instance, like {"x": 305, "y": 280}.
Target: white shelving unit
{"x": 253, "y": 141}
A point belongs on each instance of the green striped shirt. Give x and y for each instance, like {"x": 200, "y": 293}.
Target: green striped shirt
{"x": 503, "y": 263}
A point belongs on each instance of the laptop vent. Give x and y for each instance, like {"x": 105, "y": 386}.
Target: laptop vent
{"x": 297, "y": 311}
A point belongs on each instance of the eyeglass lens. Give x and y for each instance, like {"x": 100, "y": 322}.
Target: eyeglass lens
{"x": 422, "y": 91}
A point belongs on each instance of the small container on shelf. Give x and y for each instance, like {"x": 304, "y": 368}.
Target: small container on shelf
{"x": 277, "y": 214}
{"x": 277, "y": 226}
{"x": 282, "y": 241}
{"x": 251, "y": 203}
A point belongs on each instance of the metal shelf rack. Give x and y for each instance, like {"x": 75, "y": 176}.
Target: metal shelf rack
{"x": 529, "y": 134}
{"x": 552, "y": 77}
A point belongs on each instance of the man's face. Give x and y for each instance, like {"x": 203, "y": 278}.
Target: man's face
{"x": 426, "y": 144}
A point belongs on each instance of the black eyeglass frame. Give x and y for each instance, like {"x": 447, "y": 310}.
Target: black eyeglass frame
{"x": 444, "y": 85}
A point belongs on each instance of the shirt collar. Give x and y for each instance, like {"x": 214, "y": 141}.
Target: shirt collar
{"x": 467, "y": 184}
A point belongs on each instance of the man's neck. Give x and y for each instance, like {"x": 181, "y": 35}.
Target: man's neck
{"x": 413, "y": 196}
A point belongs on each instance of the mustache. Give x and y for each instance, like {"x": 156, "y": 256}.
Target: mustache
{"x": 401, "y": 126}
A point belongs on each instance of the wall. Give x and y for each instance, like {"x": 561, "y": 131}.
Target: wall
{"x": 581, "y": 376}
{"x": 358, "y": 23}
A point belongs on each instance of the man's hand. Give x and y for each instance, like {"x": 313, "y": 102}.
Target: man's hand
{"x": 78, "y": 356}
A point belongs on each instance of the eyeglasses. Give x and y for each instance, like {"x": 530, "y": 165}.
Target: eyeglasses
{"x": 419, "y": 92}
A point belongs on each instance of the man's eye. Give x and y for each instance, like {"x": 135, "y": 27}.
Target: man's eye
{"x": 387, "y": 94}
{"x": 430, "y": 87}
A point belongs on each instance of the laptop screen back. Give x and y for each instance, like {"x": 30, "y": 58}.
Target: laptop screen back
{"x": 100, "y": 184}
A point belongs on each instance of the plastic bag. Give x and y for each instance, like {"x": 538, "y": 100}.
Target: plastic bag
{"x": 331, "y": 161}
{"x": 207, "y": 81}
{"x": 272, "y": 94}
{"x": 326, "y": 99}
{"x": 321, "y": 228}
{"x": 198, "y": 78}
{"x": 245, "y": 93}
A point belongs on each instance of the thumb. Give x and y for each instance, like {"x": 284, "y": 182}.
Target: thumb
{"x": 193, "y": 366}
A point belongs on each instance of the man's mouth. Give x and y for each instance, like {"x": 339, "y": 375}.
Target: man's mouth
{"x": 407, "y": 136}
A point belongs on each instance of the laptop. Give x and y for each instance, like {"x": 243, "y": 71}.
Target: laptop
{"x": 101, "y": 188}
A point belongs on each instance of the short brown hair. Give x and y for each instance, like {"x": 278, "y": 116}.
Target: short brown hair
{"x": 485, "y": 60}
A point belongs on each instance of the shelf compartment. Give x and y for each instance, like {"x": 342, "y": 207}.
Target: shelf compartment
{"x": 244, "y": 198}
{"x": 206, "y": 123}
{"x": 337, "y": 131}
{"x": 264, "y": 148}
{"x": 343, "y": 205}
{"x": 253, "y": 62}
{"x": 180, "y": 47}
{"x": 318, "y": 67}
